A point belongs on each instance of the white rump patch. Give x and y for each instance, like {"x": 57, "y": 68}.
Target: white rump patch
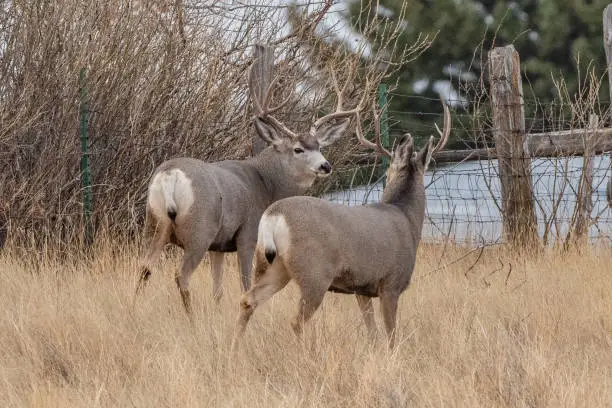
{"x": 273, "y": 233}
{"x": 170, "y": 190}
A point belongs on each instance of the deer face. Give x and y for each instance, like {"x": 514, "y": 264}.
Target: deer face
{"x": 306, "y": 153}
{"x": 303, "y": 151}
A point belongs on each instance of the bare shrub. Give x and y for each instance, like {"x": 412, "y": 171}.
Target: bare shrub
{"x": 163, "y": 79}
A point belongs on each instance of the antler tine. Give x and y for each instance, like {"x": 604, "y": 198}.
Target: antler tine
{"x": 254, "y": 96}
{"x": 268, "y": 94}
{"x": 377, "y": 132}
{"x": 378, "y": 147}
{"x": 348, "y": 80}
{"x": 281, "y": 127}
{"x": 264, "y": 111}
{"x": 339, "y": 92}
{"x": 280, "y": 105}
{"x": 339, "y": 113}
{"x": 268, "y": 98}
{"x": 359, "y": 133}
{"x": 447, "y": 128}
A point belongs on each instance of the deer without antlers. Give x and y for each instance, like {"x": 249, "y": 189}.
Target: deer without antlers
{"x": 369, "y": 251}
{"x": 216, "y": 207}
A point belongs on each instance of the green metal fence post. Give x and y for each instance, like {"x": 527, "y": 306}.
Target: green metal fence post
{"x": 384, "y": 123}
{"x": 85, "y": 171}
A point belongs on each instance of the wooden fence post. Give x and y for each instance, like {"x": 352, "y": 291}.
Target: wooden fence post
{"x": 263, "y": 66}
{"x": 518, "y": 209}
{"x": 607, "y": 37}
{"x": 609, "y": 192}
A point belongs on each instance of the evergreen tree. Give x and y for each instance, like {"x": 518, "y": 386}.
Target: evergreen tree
{"x": 553, "y": 38}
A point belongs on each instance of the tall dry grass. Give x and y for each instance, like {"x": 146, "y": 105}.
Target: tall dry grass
{"x": 507, "y": 332}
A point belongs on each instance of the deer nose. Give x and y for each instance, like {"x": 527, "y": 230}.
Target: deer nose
{"x": 326, "y": 167}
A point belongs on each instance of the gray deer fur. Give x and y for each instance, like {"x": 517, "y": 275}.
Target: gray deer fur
{"x": 369, "y": 250}
{"x": 216, "y": 207}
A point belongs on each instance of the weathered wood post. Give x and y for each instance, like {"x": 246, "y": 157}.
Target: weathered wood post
{"x": 609, "y": 192}
{"x": 607, "y": 37}
{"x": 263, "y": 66}
{"x": 518, "y": 209}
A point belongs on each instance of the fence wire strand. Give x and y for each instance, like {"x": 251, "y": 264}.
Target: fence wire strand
{"x": 464, "y": 199}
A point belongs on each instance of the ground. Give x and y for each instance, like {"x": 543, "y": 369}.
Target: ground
{"x": 505, "y": 331}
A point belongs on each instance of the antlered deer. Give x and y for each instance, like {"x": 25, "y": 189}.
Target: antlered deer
{"x": 369, "y": 251}
{"x": 216, "y": 207}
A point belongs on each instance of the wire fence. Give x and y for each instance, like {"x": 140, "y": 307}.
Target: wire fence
{"x": 464, "y": 199}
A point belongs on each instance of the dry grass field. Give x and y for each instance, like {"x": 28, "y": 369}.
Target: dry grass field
{"x": 509, "y": 332}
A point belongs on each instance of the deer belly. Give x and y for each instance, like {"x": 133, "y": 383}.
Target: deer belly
{"x": 224, "y": 246}
{"x": 346, "y": 284}
{"x": 225, "y": 241}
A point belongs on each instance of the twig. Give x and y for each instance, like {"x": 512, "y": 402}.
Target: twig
{"x": 475, "y": 262}
{"x": 481, "y": 248}
{"x": 508, "y": 275}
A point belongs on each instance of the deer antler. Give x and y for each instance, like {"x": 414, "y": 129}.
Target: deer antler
{"x": 339, "y": 113}
{"x": 262, "y": 107}
{"x": 378, "y": 147}
{"x": 447, "y": 128}
{"x": 356, "y": 111}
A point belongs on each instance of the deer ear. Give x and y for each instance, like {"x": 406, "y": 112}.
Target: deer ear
{"x": 328, "y": 134}
{"x": 403, "y": 152}
{"x": 424, "y": 156}
{"x": 267, "y": 132}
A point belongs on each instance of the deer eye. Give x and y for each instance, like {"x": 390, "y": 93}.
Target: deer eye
{"x": 298, "y": 150}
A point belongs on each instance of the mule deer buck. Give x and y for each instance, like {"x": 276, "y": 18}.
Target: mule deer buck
{"x": 216, "y": 207}
{"x": 369, "y": 251}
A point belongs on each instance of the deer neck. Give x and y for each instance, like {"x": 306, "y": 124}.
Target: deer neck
{"x": 279, "y": 177}
{"x": 408, "y": 194}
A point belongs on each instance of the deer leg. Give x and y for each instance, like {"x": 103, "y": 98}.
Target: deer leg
{"x": 312, "y": 296}
{"x": 216, "y": 270}
{"x": 269, "y": 279}
{"x": 367, "y": 310}
{"x": 191, "y": 259}
{"x": 388, "y": 306}
{"x": 246, "y": 249}
{"x": 161, "y": 236}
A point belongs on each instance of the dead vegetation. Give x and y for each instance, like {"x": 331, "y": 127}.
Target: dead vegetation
{"x": 163, "y": 79}
{"x": 506, "y": 332}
